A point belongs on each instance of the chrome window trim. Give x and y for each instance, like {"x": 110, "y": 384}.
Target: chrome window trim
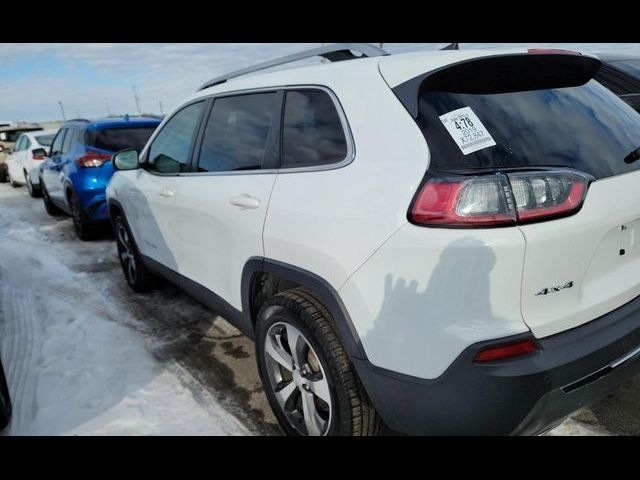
{"x": 351, "y": 150}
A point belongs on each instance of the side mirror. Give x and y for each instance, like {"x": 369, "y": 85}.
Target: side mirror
{"x": 38, "y": 153}
{"x": 126, "y": 159}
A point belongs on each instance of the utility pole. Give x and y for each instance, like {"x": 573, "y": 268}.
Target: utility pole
{"x": 106, "y": 102}
{"x": 137, "y": 99}
{"x": 64, "y": 118}
{"x": 160, "y": 103}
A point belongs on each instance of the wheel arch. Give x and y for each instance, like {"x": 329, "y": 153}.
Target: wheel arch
{"x": 257, "y": 269}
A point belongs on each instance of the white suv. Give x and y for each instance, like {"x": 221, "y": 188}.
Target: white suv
{"x": 441, "y": 242}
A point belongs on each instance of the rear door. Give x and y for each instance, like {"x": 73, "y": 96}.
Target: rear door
{"x": 53, "y": 167}
{"x": 548, "y": 119}
{"x": 221, "y": 206}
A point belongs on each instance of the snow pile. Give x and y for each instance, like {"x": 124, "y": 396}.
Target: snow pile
{"x": 72, "y": 367}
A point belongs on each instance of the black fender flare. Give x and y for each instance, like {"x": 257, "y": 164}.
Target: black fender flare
{"x": 316, "y": 284}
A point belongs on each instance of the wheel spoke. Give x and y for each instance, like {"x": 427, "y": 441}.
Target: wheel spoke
{"x": 297, "y": 345}
{"x": 320, "y": 388}
{"x": 277, "y": 353}
{"x": 284, "y": 393}
{"x": 312, "y": 419}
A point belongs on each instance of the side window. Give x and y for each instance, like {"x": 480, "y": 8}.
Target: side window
{"x": 27, "y": 143}
{"x": 78, "y": 138}
{"x": 238, "y": 132}
{"x": 19, "y": 144}
{"x": 312, "y": 132}
{"x": 169, "y": 152}
{"x": 68, "y": 139}
{"x": 56, "y": 147}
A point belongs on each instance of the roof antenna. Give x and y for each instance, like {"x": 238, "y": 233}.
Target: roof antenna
{"x": 451, "y": 46}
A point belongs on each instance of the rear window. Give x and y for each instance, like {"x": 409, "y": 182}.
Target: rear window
{"x": 632, "y": 67}
{"x": 45, "y": 140}
{"x": 582, "y": 126}
{"x": 115, "y": 139}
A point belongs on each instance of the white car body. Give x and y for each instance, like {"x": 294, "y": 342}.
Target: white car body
{"x": 21, "y": 162}
{"x": 417, "y": 298}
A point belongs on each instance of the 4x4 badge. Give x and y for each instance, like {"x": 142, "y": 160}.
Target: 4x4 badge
{"x": 555, "y": 289}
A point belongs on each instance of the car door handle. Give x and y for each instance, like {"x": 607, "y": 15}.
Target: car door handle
{"x": 165, "y": 192}
{"x": 245, "y": 201}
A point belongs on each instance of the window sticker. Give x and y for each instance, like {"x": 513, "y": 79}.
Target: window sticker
{"x": 467, "y": 130}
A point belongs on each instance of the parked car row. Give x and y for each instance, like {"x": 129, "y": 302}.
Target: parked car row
{"x": 438, "y": 243}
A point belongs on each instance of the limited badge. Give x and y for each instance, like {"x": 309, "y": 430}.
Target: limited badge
{"x": 467, "y": 130}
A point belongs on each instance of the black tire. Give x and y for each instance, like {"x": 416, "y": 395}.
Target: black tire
{"x": 86, "y": 229}
{"x": 5, "y": 400}
{"x": 135, "y": 271}
{"x": 34, "y": 190}
{"x": 3, "y": 174}
{"x": 351, "y": 410}
{"x": 49, "y": 206}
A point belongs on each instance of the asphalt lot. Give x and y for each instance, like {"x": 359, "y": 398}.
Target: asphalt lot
{"x": 216, "y": 360}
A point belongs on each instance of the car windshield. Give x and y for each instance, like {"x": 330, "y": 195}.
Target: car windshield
{"x": 585, "y": 127}
{"x": 45, "y": 140}
{"x": 115, "y": 139}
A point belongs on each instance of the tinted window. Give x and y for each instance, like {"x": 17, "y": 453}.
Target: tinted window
{"x": 238, "y": 132}
{"x": 584, "y": 127}
{"x": 115, "y": 139}
{"x": 68, "y": 139}
{"x": 313, "y": 133}
{"x": 57, "y": 143}
{"x": 169, "y": 152}
{"x": 27, "y": 143}
{"x": 45, "y": 140}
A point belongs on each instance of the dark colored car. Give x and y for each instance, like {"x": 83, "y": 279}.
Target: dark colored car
{"x": 621, "y": 75}
{"x": 5, "y": 400}
{"x": 74, "y": 178}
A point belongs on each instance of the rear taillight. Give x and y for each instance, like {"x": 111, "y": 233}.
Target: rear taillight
{"x": 38, "y": 156}
{"x": 93, "y": 159}
{"x": 505, "y": 352}
{"x": 498, "y": 199}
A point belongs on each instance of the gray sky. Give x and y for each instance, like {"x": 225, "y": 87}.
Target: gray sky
{"x": 91, "y": 79}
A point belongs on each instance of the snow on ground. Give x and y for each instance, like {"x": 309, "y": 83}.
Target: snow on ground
{"x": 73, "y": 364}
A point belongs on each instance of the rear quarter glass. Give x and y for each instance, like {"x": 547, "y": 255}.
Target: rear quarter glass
{"x": 583, "y": 126}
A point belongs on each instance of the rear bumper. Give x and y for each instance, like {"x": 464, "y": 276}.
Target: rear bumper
{"x": 523, "y": 396}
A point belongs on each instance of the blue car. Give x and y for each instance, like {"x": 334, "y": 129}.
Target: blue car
{"x": 74, "y": 178}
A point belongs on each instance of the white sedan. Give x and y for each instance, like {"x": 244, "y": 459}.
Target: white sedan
{"x": 31, "y": 149}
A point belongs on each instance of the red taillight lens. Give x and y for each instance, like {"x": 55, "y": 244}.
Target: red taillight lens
{"x": 38, "y": 156}
{"x": 503, "y": 352}
{"x": 498, "y": 199}
{"x": 93, "y": 159}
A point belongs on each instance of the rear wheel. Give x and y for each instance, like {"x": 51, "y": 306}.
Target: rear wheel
{"x": 5, "y": 400}
{"x": 3, "y": 173}
{"x": 307, "y": 376}
{"x": 86, "y": 229}
{"x": 136, "y": 273}
{"x": 49, "y": 206}
{"x": 34, "y": 191}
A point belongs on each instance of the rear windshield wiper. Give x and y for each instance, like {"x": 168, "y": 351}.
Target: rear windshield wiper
{"x": 633, "y": 156}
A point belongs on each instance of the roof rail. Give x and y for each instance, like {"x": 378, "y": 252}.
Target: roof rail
{"x": 334, "y": 53}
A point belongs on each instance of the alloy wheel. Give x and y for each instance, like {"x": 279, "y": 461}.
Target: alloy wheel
{"x": 126, "y": 253}
{"x": 298, "y": 380}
